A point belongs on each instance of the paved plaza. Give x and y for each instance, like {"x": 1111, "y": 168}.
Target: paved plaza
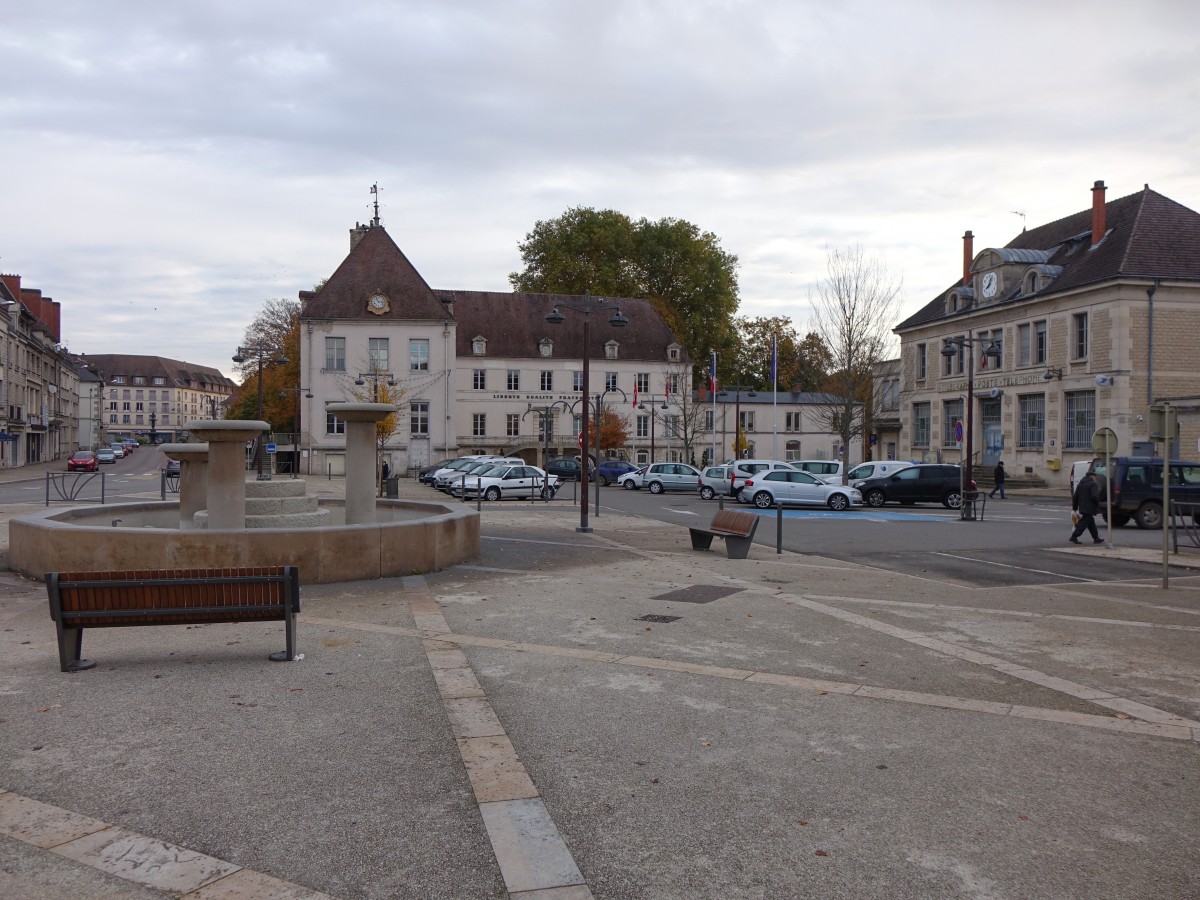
{"x": 614, "y": 715}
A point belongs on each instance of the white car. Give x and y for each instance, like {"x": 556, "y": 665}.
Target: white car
{"x": 632, "y": 481}
{"x": 866, "y": 470}
{"x": 743, "y": 469}
{"x": 454, "y": 465}
{"x": 448, "y": 479}
{"x": 503, "y": 481}
{"x": 828, "y": 470}
{"x": 797, "y": 489}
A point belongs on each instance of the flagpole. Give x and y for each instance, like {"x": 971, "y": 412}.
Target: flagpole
{"x": 775, "y": 396}
{"x": 712, "y": 389}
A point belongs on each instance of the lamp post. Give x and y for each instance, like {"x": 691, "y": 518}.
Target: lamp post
{"x": 586, "y": 305}
{"x": 737, "y": 412}
{"x": 951, "y": 347}
{"x": 153, "y": 433}
{"x": 545, "y": 414}
{"x": 599, "y": 426}
{"x": 259, "y": 353}
{"x": 653, "y": 413}
{"x": 296, "y": 424}
{"x": 375, "y": 374}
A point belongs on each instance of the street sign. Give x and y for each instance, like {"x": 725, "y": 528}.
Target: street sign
{"x": 1104, "y": 440}
{"x": 1164, "y": 423}
{"x": 958, "y": 431}
{"x": 580, "y": 439}
{"x": 270, "y": 448}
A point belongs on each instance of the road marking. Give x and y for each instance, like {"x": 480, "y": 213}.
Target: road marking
{"x": 989, "y": 562}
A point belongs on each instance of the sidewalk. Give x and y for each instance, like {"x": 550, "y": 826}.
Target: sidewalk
{"x": 614, "y": 715}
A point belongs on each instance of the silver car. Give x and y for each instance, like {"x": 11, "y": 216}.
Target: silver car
{"x": 714, "y": 480}
{"x": 500, "y": 482}
{"x": 797, "y": 489}
{"x": 661, "y": 477}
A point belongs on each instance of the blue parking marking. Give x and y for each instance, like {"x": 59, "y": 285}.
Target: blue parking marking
{"x": 874, "y": 515}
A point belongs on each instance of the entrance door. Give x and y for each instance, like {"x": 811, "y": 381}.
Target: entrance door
{"x": 993, "y": 436}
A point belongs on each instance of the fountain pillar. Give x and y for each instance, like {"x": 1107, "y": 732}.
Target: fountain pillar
{"x": 226, "y": 467}
{"x": 360, "y": 419}
{"x": 193, "y": 479}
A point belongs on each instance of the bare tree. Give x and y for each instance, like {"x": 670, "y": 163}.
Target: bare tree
{"x": 854, "y": 308}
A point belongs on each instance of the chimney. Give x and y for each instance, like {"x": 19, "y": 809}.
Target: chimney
{"x": 357, "y": 233}
{"x": 968, "y": 256}
{"x": 1097, "y": 212}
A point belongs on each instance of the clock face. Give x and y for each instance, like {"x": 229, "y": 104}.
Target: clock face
{"x": 378, "y": 303}
{"x": 989, "y": 284}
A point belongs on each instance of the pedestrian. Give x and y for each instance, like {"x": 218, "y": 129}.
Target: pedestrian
{"x": 1086, "y": 501}
{"x": 386, "y": 470}
{"x": 998, "y": 476}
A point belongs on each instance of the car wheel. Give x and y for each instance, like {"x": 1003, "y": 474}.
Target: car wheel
{"x": 838, "y": 501}
{"x": 707, "y": 493}
{"x": 603, "y": 479}
{"x": 764, "y": 500}
{"x": 656, "y": 487}
{"x": 952, "y": 500}
{"x": 875, "y": 498}
{"x": 1149, "y": 515}
{"x": 629, "y": 485}
{"x": 492, "y": 493}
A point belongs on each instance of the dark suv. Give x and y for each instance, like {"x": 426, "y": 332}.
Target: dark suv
{"x": 566, "y": 469}
{"x": 916, "y": 484}
{"x": 1137, "y": 488}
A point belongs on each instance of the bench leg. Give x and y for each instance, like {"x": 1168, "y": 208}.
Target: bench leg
{"x": 738, "y": 547}
{"x": 289, "y": 630}
{"x": 700, "y": 540}
{"x": 70, "y": 647}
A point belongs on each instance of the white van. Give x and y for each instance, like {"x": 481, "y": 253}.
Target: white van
{"x": 873, "y": 469}
{"x": 741, "y": 469}
{"x": 1079, "y": 469}
{"x": 826, "y": 470}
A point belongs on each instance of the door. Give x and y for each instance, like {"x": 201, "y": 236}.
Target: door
{"x": 993, "y": 436}
{"x": 804, "y": 487}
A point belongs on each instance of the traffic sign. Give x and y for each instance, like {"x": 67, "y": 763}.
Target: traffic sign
{"x": 270, "y": 448}
{"x": 581, "y": 439}
{"x": 958, "y": 431}
{"x": 1104, "y": 440}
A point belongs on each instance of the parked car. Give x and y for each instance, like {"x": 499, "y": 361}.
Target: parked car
{"x": 874, "y": 469}
{"x": 610, "y": 470}
{"x": 105, "y": 455}
{"x": 1137, "y": 488}
{"x": 798, "y": 489}
{"x": 566, "y": 469}
{"x": 451, "y": 481}
{"x": 632, "y": 481}
{"x": 504, "y": 481}
{"x": 454, "y": 466}
{"x": 661, "y": 477}
{"x": 118, "y": 450}
{"x": 925, "y": 483}
{"x": 83, "y": 461}
{"x": 172, "y": 468}
{"x": 829, "y": 470}
{"x": 714, "y": 480}
{"x": 129, "y": 445}
{"x": 743, "y": 469}
{"x": 425, "y": 473}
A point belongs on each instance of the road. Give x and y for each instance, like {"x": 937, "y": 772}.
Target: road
{"x": 134, "y": 477}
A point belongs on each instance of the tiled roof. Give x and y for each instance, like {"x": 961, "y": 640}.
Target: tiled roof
{"x": 515, "y": 324}
{"x": 177, "y": 374}
{"x": 1148, "y": 236}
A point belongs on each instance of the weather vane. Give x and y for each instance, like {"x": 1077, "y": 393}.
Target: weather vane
{"x": 375, "y": 191}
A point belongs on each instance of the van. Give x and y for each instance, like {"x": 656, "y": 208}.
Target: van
{"x": 1079, "y": 469}
{"x": 827, "y": 470}
{"x": 873, "y": 469}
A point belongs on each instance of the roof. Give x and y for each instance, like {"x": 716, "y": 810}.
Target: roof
{"x": 514, "y": 325}
{"x": 1148, "y": 236}
{"x": 177, "y": 373}
{"x": 767, "y": 398}
{"x": 375, "y": 265}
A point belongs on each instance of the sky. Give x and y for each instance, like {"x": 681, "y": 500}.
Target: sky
{"x": 167, "y": 167}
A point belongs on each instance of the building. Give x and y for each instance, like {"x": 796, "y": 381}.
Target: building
{"x": 1087, "y": 321}
{"x": 39, "y": 387}
{"x": 144, "y": 394}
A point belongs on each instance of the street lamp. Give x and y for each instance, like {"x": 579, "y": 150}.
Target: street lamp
{"x": 586, "y": 305}
{"x": 153, "y": 433}
{"x": 951, "y": 347}
{"x": 259, "y": 353}
{"x": 545, "y": 418}
{"x": 375, "y": 375}
{"x": 599, "y": 426}
{"x": 653, "y": 414}
{"x": 737, "y": 412}
{"x": 296, "y": 424}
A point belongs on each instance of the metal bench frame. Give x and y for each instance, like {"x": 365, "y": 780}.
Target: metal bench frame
{"x": 80, "y": 600}
{"x": 737, "y": 540}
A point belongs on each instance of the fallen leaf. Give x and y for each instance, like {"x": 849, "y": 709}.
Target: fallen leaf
{"x": 1123, "y": 715}
{"x": 822, "y": 693}
{"x": 820, "y": 853}
{"x": 648, "y": 628}
{"x": 706, "y": 743}
{"x": 802, "y": 822}
{"x": 1023, "y": 818}
{"x": 295, "y": 689}
{"x": 654, "y": 781}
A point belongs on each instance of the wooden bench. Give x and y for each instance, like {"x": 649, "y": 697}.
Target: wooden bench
{"x": 80, "y": 600}
{"x": 736, "y": 527}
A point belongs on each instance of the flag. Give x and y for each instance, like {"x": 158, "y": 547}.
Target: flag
{"x": 712, "y": 373}
{"x": 635, "y": 393}
{"x": 774, "y": 360}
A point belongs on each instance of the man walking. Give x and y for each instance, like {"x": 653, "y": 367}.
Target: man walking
{"x": 998, "y": 477}
{"x": 1086, "y": 501}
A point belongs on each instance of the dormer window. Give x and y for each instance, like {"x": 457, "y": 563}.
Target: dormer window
{"x": 546, "y": 347}
{"x": 479, "y": 346}
{"x": 610, "y": 350}
{"x": 673, "y": 352}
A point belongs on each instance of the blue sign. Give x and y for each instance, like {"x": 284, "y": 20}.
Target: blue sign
{"x": 270, "y": 448}
{"x": 958, "y": 431}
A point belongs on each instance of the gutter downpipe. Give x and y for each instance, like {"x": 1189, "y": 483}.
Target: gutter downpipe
{"x": 1150, "y": 292}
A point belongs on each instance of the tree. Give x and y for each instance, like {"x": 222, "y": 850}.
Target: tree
{"x": 614, "y": 433}
{"x": 682, "y": 271}
{"x": 853, "y": 308}
{"x": 277, "y": 328}
{"x": 686, "y": 418}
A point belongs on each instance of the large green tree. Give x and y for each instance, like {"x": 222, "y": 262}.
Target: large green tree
{"x": 681, "y": 270}
{"x": 803, "y": 362}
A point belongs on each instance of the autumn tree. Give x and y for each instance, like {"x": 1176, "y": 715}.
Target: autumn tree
{"x": 614, "y": 433}
{"x": 854, "y": 308}
{"x": 682, "y": 271}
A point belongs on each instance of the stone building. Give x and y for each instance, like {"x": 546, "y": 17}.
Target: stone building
{"x": 1090, "y": 320}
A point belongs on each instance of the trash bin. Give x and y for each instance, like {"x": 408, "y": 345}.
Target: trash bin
{"x": 391, "y": 487}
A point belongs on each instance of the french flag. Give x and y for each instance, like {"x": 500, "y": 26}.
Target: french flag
{"x": 712, "y": 372}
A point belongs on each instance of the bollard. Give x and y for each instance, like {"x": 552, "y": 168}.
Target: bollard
{"x": 779, "y": 526}
{"x": 720, "y": 501}
{"x": 478, "y": 491}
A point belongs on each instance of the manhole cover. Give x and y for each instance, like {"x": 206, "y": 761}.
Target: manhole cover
{"x": 660, "y": 619}
{"x": 698, "y": 593}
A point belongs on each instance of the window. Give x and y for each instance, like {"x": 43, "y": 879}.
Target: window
{"x": 377, "y": 354}
{"x": 920, "y": 425}
{"x": 1033, "y": 420}
{"x": 708, "y": 420}
{"x": 1040, "y": 343}
{"x": 642, "y": 382}
{"x": 746, "y": 420}
{"x": 993, "y": 338}
{"x": 118, "y": 379}
{"x": 139, "y": 406}
{"x": 479, "y": 424}
{"x": 610, "y": 350}
{"x": 577, "y": 381}
{"x": 479, "y": 379}
{"x": 672, "y": 427}
{"x": 791, "y": 450}
{"x": 547, "y": 381}
{"x": 922, "y": 372}
{"x": 889, "y": 394}
{"x": 673, "y": 354}
{"x": 610, "y": 381}
{"x": 1024, "y": 345}
{"x": 546, "y": 347}
{"x": 791, "y": 421}
{"x": 512, "y": 423}
{"x": 576, "y": 423}
{"x": 335, "y": 354}
{"x": 334, "y": 425}
{"x": 139, "y": 379}
{"x": 418, "y": 417}
{"x": 1080, "y": 422}
{"x": 418, "y": 355}
{"x": 546, "y": 427}
{"x": 125, "y": 420}
{"x": 479, "y": 346}
{"x": 643, "y": 426}
{"x": 1079, "y": 336}
{"x": 158, "y": 379}
{"x": 952, "y": 412}
{"x": 514, "y": 379}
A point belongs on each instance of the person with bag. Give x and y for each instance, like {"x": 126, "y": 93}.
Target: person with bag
{"x": 1086, "y": 501}
{"x": 998, "y": 477}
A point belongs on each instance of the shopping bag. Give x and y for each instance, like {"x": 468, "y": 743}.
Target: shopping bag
{"x": 1074, "y": 518}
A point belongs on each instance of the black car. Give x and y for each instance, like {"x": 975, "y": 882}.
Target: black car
{"x": 1137, "y": 488}
{"x": 566, "y": 469}
{"x": 929, "y": 483}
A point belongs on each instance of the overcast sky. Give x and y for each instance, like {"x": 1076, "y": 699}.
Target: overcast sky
{"x": 166, "y": 167}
